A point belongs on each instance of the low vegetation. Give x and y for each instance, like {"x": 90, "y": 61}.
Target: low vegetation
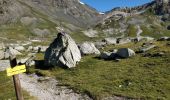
{"x": 7, "y": 90}
{"x": 144, "y": 77}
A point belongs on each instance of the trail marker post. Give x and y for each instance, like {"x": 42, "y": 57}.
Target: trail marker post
{"x": 16, "y": 80}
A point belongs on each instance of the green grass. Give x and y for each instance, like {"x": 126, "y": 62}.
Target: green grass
{"x": 7, "y": 90}
{"x": 132, "y": 30}
{"x": 135, "y": 77}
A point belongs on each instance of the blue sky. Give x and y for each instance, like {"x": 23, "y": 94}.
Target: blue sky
{"x": 105, "y": 5}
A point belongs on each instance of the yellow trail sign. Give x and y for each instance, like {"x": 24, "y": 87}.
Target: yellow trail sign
{"x": 16, "y": 70}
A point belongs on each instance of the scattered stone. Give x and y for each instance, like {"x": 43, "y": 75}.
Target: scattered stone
{"x": 2, "y": 55}
{"x": 123, "y": 40}
{"x": 19, "y": 48}
{"x": 100, "y": 45}
{"x": 43, "y": 48}
{"x": 110, "y": 41}
{"x": 4, "y": 64}
{"x": 105, "y": 55}
{"x": 125, "y": 52}
{"x": 164, "y": 39}
{"x": 63, "y": 51}
{"x": 2, "y": 46}
{"x": 146, "y": 48}
{"x": 88, "y": 48}
{"x": 30, "y": 48}
{"x": 13, "y": 51}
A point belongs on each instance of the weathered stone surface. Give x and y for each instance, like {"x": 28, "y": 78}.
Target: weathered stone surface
{"x": 146, "y": 48}
{"x": 13, "y": 51}
{"x": 110, "y": 40}
{"x": 164, "y": 38}
{"x": 43, "y": 48}
{"x": 2, "y": 55}
{"x": 63, "y": 51}
{"x": 123, "y": 40}
{"x": 2, "y": 46}
{"x": 4, "y": 64}
{"x": 105, "y": 55}
{"x": 19, "y": 48}
{"x": 125, "y": 52}
{"x": 100, "y": 44}
{"x": 88, "y": 48}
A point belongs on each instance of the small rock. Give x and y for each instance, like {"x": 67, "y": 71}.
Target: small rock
{"x": 123, "y": 40}
{"x": 164, "y": 38}
{"x": 2, "y": 55}
{"x": 19, "y": 48}
{"x": 110, "y": 41}
{"x": 146, "y": 48}
{"x": 105, "y": 55}
{"x": 88, "y": 48}
{"x": 2, "y": 46}
{"x": 125, "y": 52}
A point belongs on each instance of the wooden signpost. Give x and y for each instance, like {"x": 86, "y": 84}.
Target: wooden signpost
{"x": 14, "y": 71}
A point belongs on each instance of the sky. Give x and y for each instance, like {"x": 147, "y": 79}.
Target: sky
{"x": 106, "y": 5}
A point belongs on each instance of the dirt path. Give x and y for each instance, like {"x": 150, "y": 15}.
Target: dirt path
{"x": 48, "y": 89}
{"x": 139, "y": 31}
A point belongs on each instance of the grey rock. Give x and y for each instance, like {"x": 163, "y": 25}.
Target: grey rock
{"x": 123, "y": 40}
{"x": 125, "y": 52}
{"x": 108, "y": 55}
{"x": 88, "y": 48}
{"x": 4, "y": 65}
{"x": 63, "y": 51}
{"x": 13, "y": 51}
{"x": 100, "y": 44}
{"x": 110, "y": 40}
{"x": 43, "y": 48}
{"x": 105, "y": 55}
{"x": 30, "y": 48}
{"x": 164, "y": 38}
{"x": 2, "y": 46}
{"x": 146, "y": 48}
{"x": 2, "y": 55}
{"x": 19, "y": 48}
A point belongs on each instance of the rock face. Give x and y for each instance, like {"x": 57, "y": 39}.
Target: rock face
{"x": 88, "y": 48}
{"x": 63, "y": 51}
{"x": 125, "y": 52}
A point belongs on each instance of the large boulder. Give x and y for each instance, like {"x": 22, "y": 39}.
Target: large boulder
{"x": 2, "y": 55}
{"x": 125, "y": 52}
{"x": 88, "y": 48}
{"x": 63, "y": 51}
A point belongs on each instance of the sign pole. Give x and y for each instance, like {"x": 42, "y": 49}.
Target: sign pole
{"x": 16, "y": 80}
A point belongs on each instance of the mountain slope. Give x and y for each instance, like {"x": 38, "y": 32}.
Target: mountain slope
{"x": 151, "y": 18}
